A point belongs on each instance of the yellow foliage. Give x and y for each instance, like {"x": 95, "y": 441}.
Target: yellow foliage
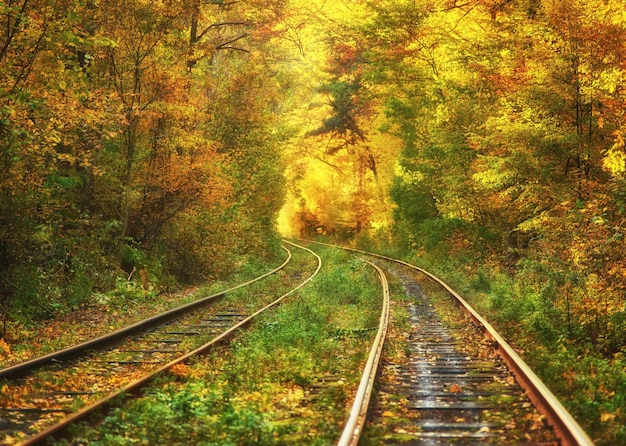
{"x": 606, "y": 417}
{"x": 615, "y": 158}
{"x": 179, "y": 369}
{"x": 5, "y": 347}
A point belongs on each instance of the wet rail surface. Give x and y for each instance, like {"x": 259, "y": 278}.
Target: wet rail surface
{"x": 50, "y": 398}
{"x": 449, "y": 387}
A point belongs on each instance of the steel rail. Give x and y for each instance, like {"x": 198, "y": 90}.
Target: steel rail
{"x": 110, "y": 339}
{"x": 356, "y": 421}
{"x": 565, "y": 426}
{"x": 134, "y": 386}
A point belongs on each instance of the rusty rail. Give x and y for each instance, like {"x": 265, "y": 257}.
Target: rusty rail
{"x": 356, "y": 421}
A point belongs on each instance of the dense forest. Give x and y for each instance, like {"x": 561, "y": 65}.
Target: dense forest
{"x": 135, "y": 142}
{"x": 163, "y": 143}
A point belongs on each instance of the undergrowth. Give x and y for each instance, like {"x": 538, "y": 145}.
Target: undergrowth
{"x": 289, "y": 380}
{"x": 125, "y": 303}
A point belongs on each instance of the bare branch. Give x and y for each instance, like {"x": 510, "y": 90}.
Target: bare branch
{"x": 226, "y": 45}
{"x": 219, "y": 25}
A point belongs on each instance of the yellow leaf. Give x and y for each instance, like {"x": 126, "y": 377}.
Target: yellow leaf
{"x": 615, "y": 158}
{"x": 607, "y": 417}
{"x": 179, "y": 369}
{"x": 4, "y": 346}
{"x": 388, "y": 413}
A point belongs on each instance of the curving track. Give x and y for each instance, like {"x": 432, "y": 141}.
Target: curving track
{"x": 358, "y": 415}
{"x": 449, "y": 386}
{"x": 102, "y": 342}
{"x": 446, "y": 385}
{"x": 38, "y": 405}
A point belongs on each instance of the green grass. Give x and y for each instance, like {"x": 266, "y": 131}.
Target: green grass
{"x": 267, "y": 387}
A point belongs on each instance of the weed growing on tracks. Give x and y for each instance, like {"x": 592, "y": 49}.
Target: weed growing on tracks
{"x": 289, "y": 380}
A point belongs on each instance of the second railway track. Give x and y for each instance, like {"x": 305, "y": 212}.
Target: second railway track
{"x": 458, "y": 383}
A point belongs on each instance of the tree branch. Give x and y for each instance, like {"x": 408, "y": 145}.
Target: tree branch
{"x": 12, "y": 29}
{"x": 219, "y": 25}
{"x": 226, "y": 45}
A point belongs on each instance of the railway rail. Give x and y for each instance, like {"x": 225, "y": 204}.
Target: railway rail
{"x": 454, "y": 395}
{"x": 111, "y": 339}
{"x": 126, "y": 361}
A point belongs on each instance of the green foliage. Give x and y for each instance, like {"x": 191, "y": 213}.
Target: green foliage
{"x": 594, "y": 388}
{"x": 415, "y": 203}
{"x": 169, "y": 415}
{"x": 343, "y": 97}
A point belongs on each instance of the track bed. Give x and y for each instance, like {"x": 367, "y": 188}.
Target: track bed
{"x": 448, "y": 386}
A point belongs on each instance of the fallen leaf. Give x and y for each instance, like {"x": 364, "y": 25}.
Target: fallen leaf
{"x": 455, "y": 388}
{"x": 607, "y": 417}
{"x": 4, "y": 346}
{"x": 179, "y": 369}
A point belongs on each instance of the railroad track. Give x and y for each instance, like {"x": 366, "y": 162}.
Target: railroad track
{"x": 457, "y": 383}
{"x": 42, "y": 397}
{"x": 450, "y": 385}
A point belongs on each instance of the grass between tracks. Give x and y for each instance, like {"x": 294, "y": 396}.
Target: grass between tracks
{"x": 288, "y": 380}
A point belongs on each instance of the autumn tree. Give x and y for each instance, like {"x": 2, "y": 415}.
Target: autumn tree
{"x": 134, "y": 136}
{"x": 47, "y": 152}
{"x": 341, "y": 145}
{"x": 507, "y": 112}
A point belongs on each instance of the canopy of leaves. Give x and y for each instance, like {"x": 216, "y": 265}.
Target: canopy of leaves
{"x": 161, "y": 140}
